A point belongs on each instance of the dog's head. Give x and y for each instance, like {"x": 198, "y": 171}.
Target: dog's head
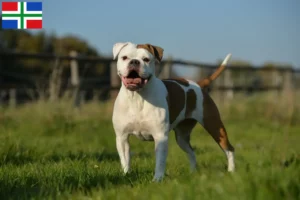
{"x": 136, "y": 63}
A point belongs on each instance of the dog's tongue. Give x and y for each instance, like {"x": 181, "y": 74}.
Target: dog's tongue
{"x": 133, "y": 81}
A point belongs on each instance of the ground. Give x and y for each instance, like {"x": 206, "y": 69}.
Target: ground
{"x": 56, "y": 152}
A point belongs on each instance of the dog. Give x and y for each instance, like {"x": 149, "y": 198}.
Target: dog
{"x": 150, "y": 108}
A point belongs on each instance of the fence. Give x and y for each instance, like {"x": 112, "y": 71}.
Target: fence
{"x": 76, "y": 75}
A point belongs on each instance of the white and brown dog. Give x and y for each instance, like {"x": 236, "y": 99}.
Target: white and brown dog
{"x": 149, "y": 107}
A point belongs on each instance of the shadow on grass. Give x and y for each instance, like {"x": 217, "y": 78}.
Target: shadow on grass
{"x": 33, "y": 187}
{"x": 23, "y": 157}
{"x": 23, "y": 185}
{"x": 80, "y": 155}
{"x": 20, "y": 155}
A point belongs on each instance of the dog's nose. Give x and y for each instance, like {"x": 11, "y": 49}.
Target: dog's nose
{"x": 134, "y": 62}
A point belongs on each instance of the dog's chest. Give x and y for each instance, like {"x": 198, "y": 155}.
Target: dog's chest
{"x": 141, "y": 120}
{"x": 141, "y": 130}
{"x": 141, "y": 117}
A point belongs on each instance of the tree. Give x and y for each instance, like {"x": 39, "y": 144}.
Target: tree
{"x": 24, "y": 41}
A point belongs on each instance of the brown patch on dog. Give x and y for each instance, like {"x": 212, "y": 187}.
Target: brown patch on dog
{"x": 181, "y": 81}
{"x": 191, "y": 101}
{"x": 204, "y": 83}
{"x": 154, "y": 50}
{"x": 175, "y": 99}
{"x": 213, "y": 124}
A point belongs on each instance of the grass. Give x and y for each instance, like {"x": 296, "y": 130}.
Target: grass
{"x": 54, "y": 152}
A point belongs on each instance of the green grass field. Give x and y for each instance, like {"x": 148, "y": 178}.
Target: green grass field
{"x": 52, "y": 151}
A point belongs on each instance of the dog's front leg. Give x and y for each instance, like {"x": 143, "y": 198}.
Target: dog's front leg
{"x": 161, "y": 151}
{"x": 124, "y": 151}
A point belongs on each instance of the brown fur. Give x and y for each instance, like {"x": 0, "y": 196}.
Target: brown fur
{"x": 175, "y": 99}
{"x": 191, "y": 102}
{"x": 206, "y": 82}
{"x": 154, "y": 50}
{"x": 213, "y": 124}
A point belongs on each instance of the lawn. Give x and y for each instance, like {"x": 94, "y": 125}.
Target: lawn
{"x": 53, "y": 151}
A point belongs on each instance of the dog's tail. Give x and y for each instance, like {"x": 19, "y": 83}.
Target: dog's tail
{"x": 206, "y": 82}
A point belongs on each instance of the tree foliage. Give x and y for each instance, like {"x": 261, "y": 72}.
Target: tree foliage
{"x": 24, "y": 41}
{"x": 19, "y": 71}
{"x": 41, "y": 42}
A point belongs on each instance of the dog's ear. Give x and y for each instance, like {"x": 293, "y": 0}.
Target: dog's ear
{"x": 154, "y": 50}
{"x": 117, "y": 48}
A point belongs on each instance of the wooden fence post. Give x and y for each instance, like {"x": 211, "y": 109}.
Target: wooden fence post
{"x": 115, "y": 81}
{"x": 287, "y": 81}
{"x": 242, "y": 79}
{"x": 166, "y": 69}
{"x": 216, "y": 90}
{"x": 275, "y": 80}
{"x": 75, "y": 81}
{"x": 55, "y": 81}
{"x": 288, "y": 94}
{"x": 228, "y": 83}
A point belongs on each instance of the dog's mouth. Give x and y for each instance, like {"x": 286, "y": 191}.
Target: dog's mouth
{"x": 133, "y": 81}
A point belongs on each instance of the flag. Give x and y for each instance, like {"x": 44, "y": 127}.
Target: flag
{"x": 22, "y": 15}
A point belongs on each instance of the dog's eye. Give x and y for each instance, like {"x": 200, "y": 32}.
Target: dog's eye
{"x": 146, "y": 59}
{"x": 124, "y": 58}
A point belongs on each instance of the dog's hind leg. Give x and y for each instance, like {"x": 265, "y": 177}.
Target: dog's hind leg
{"x": 214, "y": 126}
{"x": 182, "y": 132}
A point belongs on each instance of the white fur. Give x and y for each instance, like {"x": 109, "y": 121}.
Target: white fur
{"x": 117, "y": 48}
{"x": 145, "y": 113}
{"x": 131, "y": 52}
{"x": 227, "y": 58}
{"x": 230, "y": 158}
{"x": 146, "y": 116}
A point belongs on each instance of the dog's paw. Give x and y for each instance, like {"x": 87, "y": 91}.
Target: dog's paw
{"x": 231, "y": 169}
{"x": 126, "y": 170}
{"x": 157, "y": 178}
